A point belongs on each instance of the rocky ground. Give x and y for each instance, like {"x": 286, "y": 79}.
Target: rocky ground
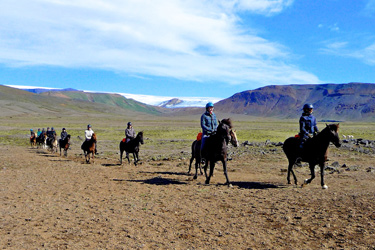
{"x": 53, "y": 202}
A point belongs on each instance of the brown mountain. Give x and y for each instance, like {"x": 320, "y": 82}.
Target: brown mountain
{"x": 344, "y": 102}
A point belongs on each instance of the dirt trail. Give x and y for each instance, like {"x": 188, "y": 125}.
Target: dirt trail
{"x": 53, "y": 202}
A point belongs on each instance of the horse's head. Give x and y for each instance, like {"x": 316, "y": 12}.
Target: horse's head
{"x": 93, "y": 137}
{"x": 224, "y": 130}
{"x": 233, "y": 137}
{"x": 140, "y": 137}
{"x": 333, "y": 134}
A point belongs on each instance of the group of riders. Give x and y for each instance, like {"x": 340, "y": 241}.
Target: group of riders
{"x": 48, "y": 135}
{"x": 307, "y": 124}
{"x": 208, "y": 121}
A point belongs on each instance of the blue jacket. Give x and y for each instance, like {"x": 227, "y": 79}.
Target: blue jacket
{"x": 307, "y": 125}
{"x": 208, "y": 123}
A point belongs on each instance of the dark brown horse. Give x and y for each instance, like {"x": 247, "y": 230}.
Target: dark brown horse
{"x": 64, "y": 144}
{"x": 196, "y": 154}
{"x": 215, "y": 148}
{"x": 131, "y": 147}
{"x": 41, "y": 140}
{"x": 88, "y": 148}
{"x": 314, "y": 151}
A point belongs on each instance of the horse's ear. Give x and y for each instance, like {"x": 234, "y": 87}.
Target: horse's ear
{"x": 327, "y": 125}
{"x": 218, "y": 121}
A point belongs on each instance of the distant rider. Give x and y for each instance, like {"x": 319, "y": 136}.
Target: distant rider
{"x": 129, "y": 133}
{"x": 208, "y": 123}
{"x": 307, "y": 124}
{"x": 38, "y": 133}
{"x": 88, "y": 134}
{"x": 63, "y": 135}
{"x": 32, "y": 133}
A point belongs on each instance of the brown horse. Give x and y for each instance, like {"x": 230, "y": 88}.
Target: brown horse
{"x": 52, "y": 142}
{"x": 41, "y": 140}
{"x": 196, "y": 154}
{"x": 131, "y": 147}
{"x": 64, "y": 144}
{"x": 88, "y": 148}
{"x": 314, "y": 151}
{"x": 33, "y": 141}
{"x": 215, "y": 148}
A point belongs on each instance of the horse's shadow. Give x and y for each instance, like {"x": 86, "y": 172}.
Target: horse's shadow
{"x": 157, "y": 181}
{"x": 164, "y": 172}
{"x": 111, "y": 165}
{"x": 256, "y": 185}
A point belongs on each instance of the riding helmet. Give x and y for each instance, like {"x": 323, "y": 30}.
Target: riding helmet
{"x": 308, "y": 106}
{"x": 129, "y": 123}
{"x": 89, "y": 126}
{"x": 210, "y": 104}
{"x": 63, "y": 129}
{"x": 31, "y": 129}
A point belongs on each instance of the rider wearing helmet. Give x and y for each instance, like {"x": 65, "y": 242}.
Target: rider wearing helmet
{"x": 88, "y": 134}
{"x": 63, "y": 134}
{"x": 129, "y": 132}
{"x": 32, "y": 133}
{"x": 208, "y": 122}
{"x": 307, "y": 124}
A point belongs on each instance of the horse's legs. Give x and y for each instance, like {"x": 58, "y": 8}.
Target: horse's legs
{"x": 290, "y": 170}
{"x": 312, "y": 170}
{"x": 121, "y": 152}
{"x": 226, "y": 172}
{"x": 127, "y": 157}
{"x": 135, "y": 158}
{"x": 322, "y": 176}
{"x": 212, "y": 166}
{"x": 205, "y": 168}
{"x": 197, "y": 165}
{"x": 191, "y": 162}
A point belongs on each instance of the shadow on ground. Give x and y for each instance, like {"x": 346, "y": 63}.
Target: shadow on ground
{"x": 156, "y": 181}
{"x": 256, "y": 185}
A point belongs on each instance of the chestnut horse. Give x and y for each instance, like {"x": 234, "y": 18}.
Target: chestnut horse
{"x": 131, "y": 147}
{"x": 215, "y": 148}
{"x": 314, "y": 151}
{"x": 88, "y": 148}
{"x": 33, "y": 141}
{"x": 64, "y": 144}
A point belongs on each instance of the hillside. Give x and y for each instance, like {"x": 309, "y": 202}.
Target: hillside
{"x": 343, "y": 102}
{"x": 20, "y": 102}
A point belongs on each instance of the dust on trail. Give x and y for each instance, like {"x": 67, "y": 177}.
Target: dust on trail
{"x": 53, "y": 202}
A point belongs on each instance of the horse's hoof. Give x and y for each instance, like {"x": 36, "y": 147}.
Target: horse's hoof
{"x": 195, "y": 177}
{"x": 325, "y": 187}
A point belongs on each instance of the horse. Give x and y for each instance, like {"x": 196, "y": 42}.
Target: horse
{"x": 314, "y": 151}
{"x": 64, "y": 144}
{"x": 131, "y": 147}
{"x": 215, "y": 148}
{"x": 52, "y": 142}
{"x": 196, "y": 154}
{"x": 88, "y": 148}
{"x": 41, "y": 140}
{"x": 33, "y": 141}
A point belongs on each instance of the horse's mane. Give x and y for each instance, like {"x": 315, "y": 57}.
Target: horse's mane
{"x": 227, "y": 121}
{"x": 334, "y": 127}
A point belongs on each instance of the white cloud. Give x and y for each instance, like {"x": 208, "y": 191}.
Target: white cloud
{"x": 199, "y": 40}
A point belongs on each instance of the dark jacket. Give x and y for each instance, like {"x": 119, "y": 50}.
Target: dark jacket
{"x": 307, "y": 125}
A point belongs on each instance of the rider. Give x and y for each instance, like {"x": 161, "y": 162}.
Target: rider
{"x": 38, "y": 133}
{"x": 50, "y": 135}
{"x": 129, "y": 132}
{"x": 88, "y": 134}
{"x": 208, "y": 123}
{"x": 307, "y": 124}
{"x": 63, "y": 135}
{"x": 32, "y": 133}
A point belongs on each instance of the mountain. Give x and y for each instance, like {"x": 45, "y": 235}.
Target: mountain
{"x": 343, "y": 102}
{"x": 15, "y": 102}
{"x": 160, "y": 101}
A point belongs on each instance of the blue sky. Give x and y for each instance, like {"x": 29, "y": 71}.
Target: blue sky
{"x": 185, "y": 48}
